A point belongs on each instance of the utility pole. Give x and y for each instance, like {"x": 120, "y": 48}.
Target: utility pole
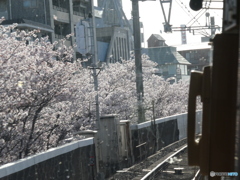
{"x": 95, "y": 61}
{"x": 138, "y": 60}
{"x": 95, "y": 78}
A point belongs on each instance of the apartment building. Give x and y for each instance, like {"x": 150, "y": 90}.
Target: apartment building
{"x": 58, "y": 18}
{"x": 113, "y": 31}
{"x": 171, "y": 65}
{"x": 198, "y": 54}
{"x": 55, "y": 18}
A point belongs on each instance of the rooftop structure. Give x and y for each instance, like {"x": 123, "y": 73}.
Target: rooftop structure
{"x": 155, "y": 40}
{"x": 171, "y": 64}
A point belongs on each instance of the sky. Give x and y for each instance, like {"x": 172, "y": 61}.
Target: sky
{"x": 152, "y": 17}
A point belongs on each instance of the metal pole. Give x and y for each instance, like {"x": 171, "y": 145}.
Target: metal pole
{"x": 45, "y": 13}
{"x": 154, "y": 126}
{"x": 169, "y": 13}
{"x": 10, "y": 9}
{"x": 138, "y": 60}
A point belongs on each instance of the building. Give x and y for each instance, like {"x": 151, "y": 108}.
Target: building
{"x": 141, "y": 31}
{"x": 113, "y": 44}
{"x": 55, "y": 18}
{"x": 58, "y": 18}
{"x": 171, "y": 64}
{"x": 183, "y": 34}
{"x": 198, "y": 54}
{"x": 111, "y": 11}
{"x": 155, "y": 40}
{"x": 114, "y": 35}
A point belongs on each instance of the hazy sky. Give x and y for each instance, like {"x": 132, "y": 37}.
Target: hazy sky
{"x": 152, "y": 17}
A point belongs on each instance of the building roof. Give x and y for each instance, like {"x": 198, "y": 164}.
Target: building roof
{"x": 25, "y": 23}
{"x": 179, "y": 59}
{"x": 157, "y": 36}
{"x": 165, "y": 55}
{"x": 194, "y": 46}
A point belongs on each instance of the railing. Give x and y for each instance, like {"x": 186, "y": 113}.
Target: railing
{"x": 59, "y": 36}
{"x": 60, "y": 9}
{"x": 82, "y": 14}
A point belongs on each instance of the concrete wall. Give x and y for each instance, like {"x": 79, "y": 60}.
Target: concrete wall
{"x": 102, "y": 50}
{"x": 108, "y": 145}
{"x": 70, "y": 161}
{"x": 118, "y": 39}
{"x": 149, "y": 137}
{"x": 117, "y": 145}
{"x": 172, "y": 69}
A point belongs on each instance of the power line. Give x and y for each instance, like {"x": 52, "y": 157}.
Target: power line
{"x": 189, "y": 13}
{"x": 199, "y": 17}
{"x": 195, "y": 16}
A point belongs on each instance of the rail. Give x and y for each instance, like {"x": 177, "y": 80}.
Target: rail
{"x": 152, "y": 173}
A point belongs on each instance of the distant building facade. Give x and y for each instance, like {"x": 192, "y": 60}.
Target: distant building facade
{"x": 117, "y": 43}
{"x": 114, "y": 35}
{"x": 141, "y": 31}
{"x": 183, "y": 34}
{"x": 55, "y": 18}
{"x": 155, "y": 40}
{"x": 171, "y": 64}
{"x": 110, "y": 14}
{"x": 199, "y": 55}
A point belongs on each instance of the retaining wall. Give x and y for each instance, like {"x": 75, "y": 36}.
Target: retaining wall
{"x": 70, "y": 161}
{"x": 117, "y": 145}
{"x": 148, "y": 137}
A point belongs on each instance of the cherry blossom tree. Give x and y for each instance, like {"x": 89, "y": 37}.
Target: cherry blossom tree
{"x": 117, "y": 92}
{"x": 42, "y": 94}
{"x": 46, "y": 98}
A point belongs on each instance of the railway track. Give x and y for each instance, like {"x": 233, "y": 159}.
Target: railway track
{"x": 168, "y": 163}
{"x": 174, "y": 167}
{"x": 153, "y": 174}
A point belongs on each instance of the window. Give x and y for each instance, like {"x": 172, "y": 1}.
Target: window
{"x": 30, "y": 3}
{"x": 3, "y": 6}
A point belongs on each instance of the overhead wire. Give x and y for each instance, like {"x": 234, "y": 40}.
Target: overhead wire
{"x": 199, "y": 13}
{"x": 189, "y": 12}
{"x": 195, "y": 16}
{"x": 196, "y": 19}
{"x": 203, "y": 12}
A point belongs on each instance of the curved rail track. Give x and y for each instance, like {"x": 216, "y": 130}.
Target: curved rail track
{"x": 162, "y": 165}
{"x": 155, "y": 171}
